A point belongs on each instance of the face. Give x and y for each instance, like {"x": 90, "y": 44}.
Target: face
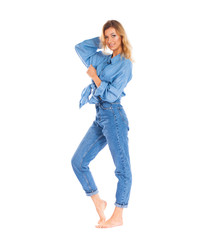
{"x": 113, "y": 39}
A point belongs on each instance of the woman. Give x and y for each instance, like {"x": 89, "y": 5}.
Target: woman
{"x": 110, "y": 75}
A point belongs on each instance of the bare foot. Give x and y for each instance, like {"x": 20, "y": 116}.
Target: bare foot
{"x": 100, "y": 207}
{"x": 115, "y": 220}
{"x": 100, "y": 210}
{"x": 111, "y": 223}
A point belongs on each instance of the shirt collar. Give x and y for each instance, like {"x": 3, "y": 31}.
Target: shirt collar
{"x": 114, "y": 59}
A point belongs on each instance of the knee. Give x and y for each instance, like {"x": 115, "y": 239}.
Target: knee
{"x": 75, "y": 163}
{"x": 126, "y": 174}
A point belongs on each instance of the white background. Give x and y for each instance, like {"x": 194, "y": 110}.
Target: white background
{"x": 41, "y": 125}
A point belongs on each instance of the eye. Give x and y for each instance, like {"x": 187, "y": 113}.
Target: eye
{"x": 113, "y": 35}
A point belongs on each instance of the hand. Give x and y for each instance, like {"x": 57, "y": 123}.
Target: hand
{"x": 91, "y": 72}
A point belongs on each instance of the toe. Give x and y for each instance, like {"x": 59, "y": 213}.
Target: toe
{"x": 98, "y": 226}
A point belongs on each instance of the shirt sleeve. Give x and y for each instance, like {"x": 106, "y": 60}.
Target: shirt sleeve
{"x": 87, "y": 51}
{"x": 111, "y": 91}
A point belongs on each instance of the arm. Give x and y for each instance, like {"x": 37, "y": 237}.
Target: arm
{"x": 87, "y": 51}
{"x": 93, "y": 74}
{"x": 112, "y": 91}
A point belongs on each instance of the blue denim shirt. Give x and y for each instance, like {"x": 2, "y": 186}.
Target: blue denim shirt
{"x": 114, "y": 73}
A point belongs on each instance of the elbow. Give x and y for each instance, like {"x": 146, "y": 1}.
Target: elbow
{"x": 80, "y": 54}
{"x": 76, "y": 47}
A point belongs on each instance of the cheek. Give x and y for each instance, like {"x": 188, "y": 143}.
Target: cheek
{"x": 118, "y": 40}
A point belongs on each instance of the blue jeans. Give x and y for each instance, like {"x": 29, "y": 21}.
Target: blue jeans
{"x": 110, "y": 127}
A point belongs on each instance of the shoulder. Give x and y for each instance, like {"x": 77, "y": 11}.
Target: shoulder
{"x": 126, "y": 63}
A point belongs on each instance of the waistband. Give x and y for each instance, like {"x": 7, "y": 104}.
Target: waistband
{"x": 101, "y": 101}
{"x": 106, "y": 103}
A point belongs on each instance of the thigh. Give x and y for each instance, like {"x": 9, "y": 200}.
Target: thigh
{"x": 116, "y": 132}
{"x": 92, "y": 143}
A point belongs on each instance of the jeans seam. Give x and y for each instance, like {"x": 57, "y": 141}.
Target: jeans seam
{"x": 124, "y": 118}
{"x": 121, "y": 152}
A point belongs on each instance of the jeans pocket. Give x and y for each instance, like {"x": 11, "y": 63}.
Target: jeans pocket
{"x": 123, "y": 116}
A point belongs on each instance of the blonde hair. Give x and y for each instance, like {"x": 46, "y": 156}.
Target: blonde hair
{"x": 126, "y": 46}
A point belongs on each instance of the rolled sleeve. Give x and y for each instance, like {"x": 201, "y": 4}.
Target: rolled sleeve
{"x": 100, "y": 90}
{"x": 112, "y": 91}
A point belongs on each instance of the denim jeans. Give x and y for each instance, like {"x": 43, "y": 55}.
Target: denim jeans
{"x": 110, "y": 127}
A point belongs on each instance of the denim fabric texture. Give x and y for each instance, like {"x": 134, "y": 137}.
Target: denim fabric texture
{"x": 114, "y": 72}
{"x": 111, "y": 124}
{"x": 110, "y": 127}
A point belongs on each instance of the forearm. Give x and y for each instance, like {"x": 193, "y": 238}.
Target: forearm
{"x": 97, "y": 80}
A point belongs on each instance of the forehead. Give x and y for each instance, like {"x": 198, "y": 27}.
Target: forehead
{"x": 110, "y": 30}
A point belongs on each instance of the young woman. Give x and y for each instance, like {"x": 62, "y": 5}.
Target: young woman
{"x": 110, "y": 73}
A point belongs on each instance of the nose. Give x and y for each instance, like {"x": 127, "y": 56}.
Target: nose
{"x": 108, "y": 41}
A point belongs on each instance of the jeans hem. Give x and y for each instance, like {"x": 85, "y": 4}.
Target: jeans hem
{"x": 121, "y": 205}
{"x": 91, "y": 193}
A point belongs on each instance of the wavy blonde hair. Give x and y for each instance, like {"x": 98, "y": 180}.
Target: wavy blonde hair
{"x": 126, "y": 46}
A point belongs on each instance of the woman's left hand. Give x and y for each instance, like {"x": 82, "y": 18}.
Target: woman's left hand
{"x": 91, "y": 72}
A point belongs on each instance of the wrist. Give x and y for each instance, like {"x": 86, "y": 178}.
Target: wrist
{"x": 97, "y": 80}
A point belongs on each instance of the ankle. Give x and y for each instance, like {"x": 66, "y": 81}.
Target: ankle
{"x": 118, "y": 213}
{"x": 96, "y": 199}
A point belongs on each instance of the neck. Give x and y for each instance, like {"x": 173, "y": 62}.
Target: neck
{"x": 116, "y": 52}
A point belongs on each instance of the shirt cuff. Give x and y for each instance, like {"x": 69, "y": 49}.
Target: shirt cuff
{"x": 100, "y": 90}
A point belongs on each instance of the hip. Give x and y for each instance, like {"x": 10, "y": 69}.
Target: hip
{"x": 111, "y": 114}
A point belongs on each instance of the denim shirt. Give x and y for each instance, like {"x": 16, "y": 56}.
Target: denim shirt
{"x": 114, "y": 73}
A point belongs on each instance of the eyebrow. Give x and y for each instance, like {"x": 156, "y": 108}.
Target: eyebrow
{"x": 110, "y": 34}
